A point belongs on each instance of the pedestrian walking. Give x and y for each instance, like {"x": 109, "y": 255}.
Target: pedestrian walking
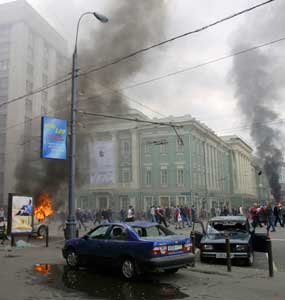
{"x": 254, "y": 213}
{"x": 283, "y": 214}
{"x": 178, "y": 218}
{"x": 98, "y": 216}
{"x": 152, "y": 214}
{"x": 269, "y": 215}
{"x": 277, "y": 214}
{"x": 131, "y": 214}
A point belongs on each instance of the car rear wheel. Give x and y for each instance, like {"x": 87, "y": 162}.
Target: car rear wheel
{"x": 171, "y": 271}
{"x": 42, "y": 231}
{"x": 129, "y": 268}
{"x": 205, "y": 259}
{"x": 72, "y": 258}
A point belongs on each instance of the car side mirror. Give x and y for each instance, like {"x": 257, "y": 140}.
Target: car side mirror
{"x": 86, "y": 237}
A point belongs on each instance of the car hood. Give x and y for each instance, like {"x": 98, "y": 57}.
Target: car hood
{"x": 219, "y": 239}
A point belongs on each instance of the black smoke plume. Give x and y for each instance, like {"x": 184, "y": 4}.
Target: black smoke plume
{"x": 256, "y": 76}
{"x": 132, "y": 25}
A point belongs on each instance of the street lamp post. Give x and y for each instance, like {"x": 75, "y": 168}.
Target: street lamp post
{"x": 71, "y": 220}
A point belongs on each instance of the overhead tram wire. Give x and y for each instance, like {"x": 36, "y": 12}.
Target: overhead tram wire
{"x": 116, "y": 61}
{"x": 151, "y": 80}
{"x": 110, "y": 89}
{"x": 173, "y": 126}
{"x": 225, "y": 131}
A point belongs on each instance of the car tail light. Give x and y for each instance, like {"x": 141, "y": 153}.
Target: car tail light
{"x": 161, "y": 250}
{"x": 164, "y": 250}
{"x": 187, "y": 247}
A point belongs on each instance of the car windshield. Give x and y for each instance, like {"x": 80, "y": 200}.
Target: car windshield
{"x": 220, "y": 227}
{"x": 156, "y": 231}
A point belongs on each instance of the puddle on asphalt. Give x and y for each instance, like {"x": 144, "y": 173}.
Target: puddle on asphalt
{"x": 103, "y": 286}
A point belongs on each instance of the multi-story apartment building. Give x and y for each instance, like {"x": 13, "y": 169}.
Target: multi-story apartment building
{"x": 147, "y": 164}
{"x": 32, "y": 54}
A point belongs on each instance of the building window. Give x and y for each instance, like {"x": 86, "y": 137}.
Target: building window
{"x": 30, "y": 70}
{"x": 124, "y": 202}
{"x": 28, "y": 107}
{"x": 45, "y": 63}
{"x": 148, "y": 176}
{"x": 126, "y": 175}
{"x": 126, "y": 147}
{"x": 29, "y": 86}
{"x": 4, "y": 31}
{"x": 4, "y": 83}
{"x": 180, "y": 176}
{"x": 30, "y": 52}
{"x": 181, "y": 200}
{"x": 147, "y": 147}
{"x": 46, "y": 50}
{"x": 179, "y": 146}
{"x": 163, "y": 147}
{"x": 43, "y": 110}
{"x": 163, "y": 176}
{"x": 148, "y": 202}
{"x": 44, "y": 79}
{"x": 44, "y": 97}
{"x": 4, "y": 65}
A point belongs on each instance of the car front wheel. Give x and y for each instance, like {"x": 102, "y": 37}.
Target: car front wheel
{"x": 128, "y": 268}
{"x": 171, "y": 271}
{"x": 72, "y": 258}
{"x": 250, "y": 260}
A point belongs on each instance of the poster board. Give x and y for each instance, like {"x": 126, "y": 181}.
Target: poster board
{"x": 53, "y": 138}
{"x": 20, "y": 214}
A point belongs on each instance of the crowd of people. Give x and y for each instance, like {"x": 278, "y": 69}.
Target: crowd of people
{"x": 267, "y": 215}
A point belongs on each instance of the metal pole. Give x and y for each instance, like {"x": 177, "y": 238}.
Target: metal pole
{"x": 228, "y": 252}
{"x": 192, "y": 235}
{"x": 270, "y": 256}
{"x": 47, "y": 236}
{"x": 71, "y": 221}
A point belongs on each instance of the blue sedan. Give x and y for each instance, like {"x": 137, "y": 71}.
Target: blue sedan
{"x": 133, "y": 247}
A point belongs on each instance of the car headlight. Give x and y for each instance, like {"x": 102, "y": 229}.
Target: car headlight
{"x": 241, "y": 247}
{"x": 208, "y": 247}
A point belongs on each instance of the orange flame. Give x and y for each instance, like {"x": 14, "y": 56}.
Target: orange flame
{"x": 43, "y": 207}
{"x": 43, "y": 268}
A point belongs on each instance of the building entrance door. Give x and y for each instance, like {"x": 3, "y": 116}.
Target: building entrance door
{"x": 103, "y": 202}
{"x": 164, "y": 201}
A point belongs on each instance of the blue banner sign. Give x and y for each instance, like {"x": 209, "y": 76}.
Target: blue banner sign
{"x": 54, "y": 133}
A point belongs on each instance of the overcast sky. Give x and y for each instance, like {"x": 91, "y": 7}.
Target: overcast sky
{"x": 207, "y": 93}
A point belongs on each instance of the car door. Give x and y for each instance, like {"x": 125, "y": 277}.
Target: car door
{"x": 117, "y": 244}
{"x": 96, "y": 244}
{"x": 259, "y": 242}
{"x": 198, "y": 229}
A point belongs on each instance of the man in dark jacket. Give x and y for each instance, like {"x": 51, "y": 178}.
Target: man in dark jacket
{"x": 277, "y": 214}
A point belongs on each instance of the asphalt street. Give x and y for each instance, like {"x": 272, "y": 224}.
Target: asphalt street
{"x": 39, "y": 273}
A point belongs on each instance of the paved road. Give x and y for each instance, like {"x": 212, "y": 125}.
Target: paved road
{"x": 22, "y": 279}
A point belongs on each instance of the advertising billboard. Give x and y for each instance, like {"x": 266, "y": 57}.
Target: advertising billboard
{"x": 54, "y": 136}
{"x": 20, "y": 214}
{"x": 102, "y": 163}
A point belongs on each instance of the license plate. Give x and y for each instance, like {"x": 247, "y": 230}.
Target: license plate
{"x": 223, "y": 255}
{"x": 174, "y": 247}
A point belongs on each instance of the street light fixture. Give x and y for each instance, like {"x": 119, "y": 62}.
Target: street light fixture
{"x": 71, "y": 220}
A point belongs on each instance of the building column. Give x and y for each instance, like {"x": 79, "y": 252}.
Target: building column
{"x": 135, "y": 159}
{"x": 115, "y": 155}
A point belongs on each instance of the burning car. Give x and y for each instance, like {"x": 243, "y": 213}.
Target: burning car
{"x": 42, "y": 210}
